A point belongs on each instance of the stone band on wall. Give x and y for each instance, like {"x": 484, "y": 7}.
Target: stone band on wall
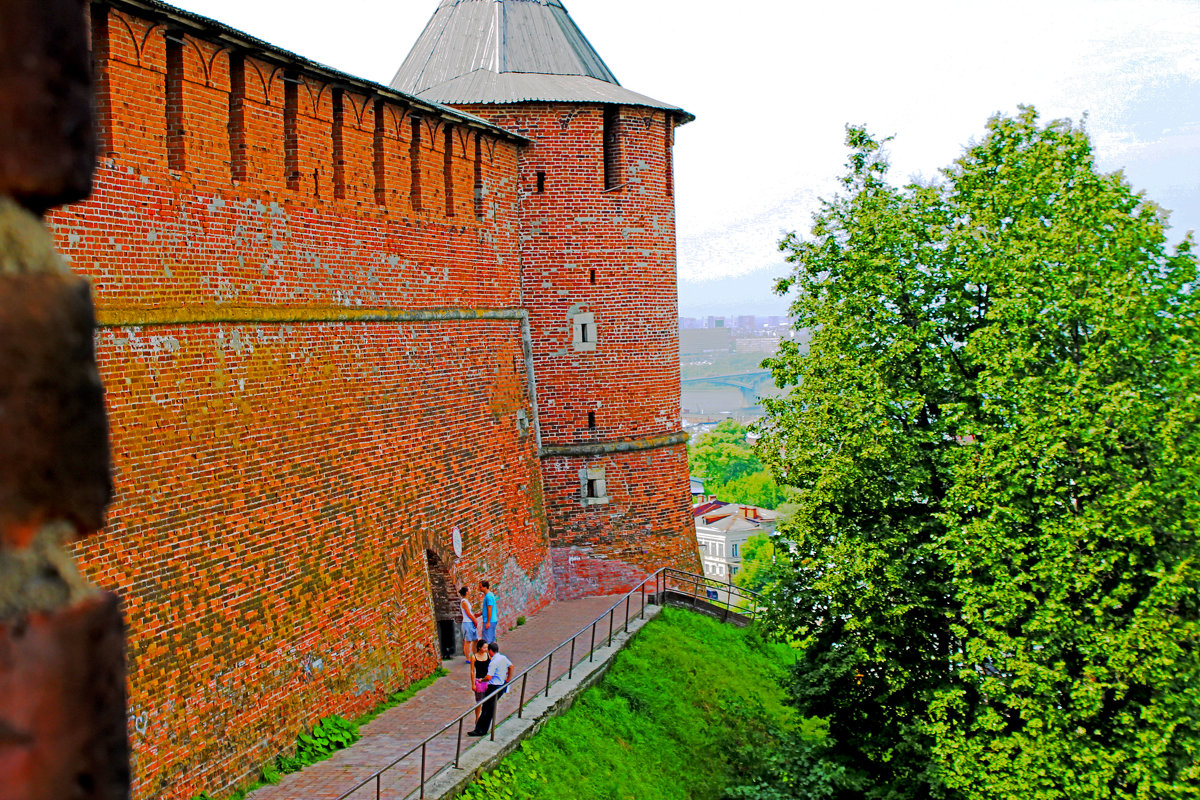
{"x": 254, "y": 315}
{"x": 620, "y": 446}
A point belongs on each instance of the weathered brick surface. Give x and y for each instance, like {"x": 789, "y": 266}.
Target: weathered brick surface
{"x": 609, "y": 548}
{"x": 288, "y": 446}
{"x": 276, "y": 493}
{"x": 291, "y": 435}
{"x": 630, "y": 381}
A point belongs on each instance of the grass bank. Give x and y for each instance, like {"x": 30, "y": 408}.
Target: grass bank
{"x": 667, "y": 723}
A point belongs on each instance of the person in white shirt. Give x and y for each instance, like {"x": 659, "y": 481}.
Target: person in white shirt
{"x": 500, "y": 672}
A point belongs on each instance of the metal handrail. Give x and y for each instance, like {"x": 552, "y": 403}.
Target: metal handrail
{"x": 660, "y": 578}
{"x": 695, "y": 582}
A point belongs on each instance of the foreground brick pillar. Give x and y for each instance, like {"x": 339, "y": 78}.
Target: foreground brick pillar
{"x": 62, "y": 703}
{"x": 62, "y": 643}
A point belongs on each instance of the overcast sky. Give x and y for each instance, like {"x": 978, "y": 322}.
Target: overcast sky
{"x": 774, "y": 83}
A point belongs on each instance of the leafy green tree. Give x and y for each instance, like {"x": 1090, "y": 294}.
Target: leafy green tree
{"x": 723, "y": 454}
{"x": 763, "y": 561}
{"x": 726, "y": 462}
{"x": 994, "y": 432}
{"x": 756, "y": 489}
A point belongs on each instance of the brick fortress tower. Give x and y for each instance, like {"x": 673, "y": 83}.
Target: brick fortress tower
{"x": 597, "y": 225}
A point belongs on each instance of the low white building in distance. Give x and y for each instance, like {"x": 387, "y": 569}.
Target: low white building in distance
{"x": 722, "y": 530}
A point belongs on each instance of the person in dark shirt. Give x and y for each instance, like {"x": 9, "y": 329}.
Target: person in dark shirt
{"x": 478, "y": 675}
{"x": 499, "y": 673}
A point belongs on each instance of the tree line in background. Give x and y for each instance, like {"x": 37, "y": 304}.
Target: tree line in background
{"x": 992, "y": 574}
{"x": 725, "y": 460}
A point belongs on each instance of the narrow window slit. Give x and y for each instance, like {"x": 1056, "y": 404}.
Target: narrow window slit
{"x": 176, "y": 148}
{"x": 103, "y": 89}
{"x": 378, "y": 156}
{"x": 238, "y": 170}
{"x": 541, "y": 181}
{"x": 448, "y": 170}
{"x": 591, "y": 419}
{"x": 339, "y": 155}
{"x": 478, "y": 176}
{"x": 291, "y": 134}
{"x": 612, "y": 154}
{"x": 670, "y": 146}
{"x": 414, "y": 158}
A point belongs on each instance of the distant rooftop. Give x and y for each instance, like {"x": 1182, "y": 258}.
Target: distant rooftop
{"x": 716, "y": 515}
{"x": 510, "y": 51}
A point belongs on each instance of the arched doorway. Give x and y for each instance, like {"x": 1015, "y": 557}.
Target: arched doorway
{"x": 443, "y": 599}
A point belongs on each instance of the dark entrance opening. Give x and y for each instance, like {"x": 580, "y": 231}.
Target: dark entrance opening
{"x": 443, "y": 599}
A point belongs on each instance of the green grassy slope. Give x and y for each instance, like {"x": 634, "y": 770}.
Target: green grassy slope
{"x": 665, "y": 723}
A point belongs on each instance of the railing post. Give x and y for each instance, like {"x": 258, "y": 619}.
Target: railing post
{"x": 611, "y": 613}
{"x": 377, "y": 785}
{"x": 458, "y": 744}
{"x": 571, "y": 660}
{"x": 422, "y": 770}
{"x": 642, "y": 613}
{"x": 592, "y": 647}
{"x": 627, "y": 599}
{"x": 549, "y": 669}
{"x": 521, "y": 703}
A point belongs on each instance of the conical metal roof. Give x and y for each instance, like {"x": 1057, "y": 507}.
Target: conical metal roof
{"x": 510, "y": 51}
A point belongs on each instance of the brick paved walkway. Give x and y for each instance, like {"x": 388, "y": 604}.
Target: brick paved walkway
{"x": 399, "y": 729}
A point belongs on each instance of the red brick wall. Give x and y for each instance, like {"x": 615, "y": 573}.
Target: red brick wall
{"x": 630, "y": 382}
{"x": 609, "y": 548}
{"x": 289, "y": 435}
{"x": 293, "y": 427}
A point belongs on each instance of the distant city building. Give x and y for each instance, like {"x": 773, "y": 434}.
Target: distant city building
{"x": 756, "y": 344}
{"x": 743, "y": 323}
{"x": 722, "y": 530}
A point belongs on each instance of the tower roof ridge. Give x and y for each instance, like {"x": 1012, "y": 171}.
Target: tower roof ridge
{"x": 509, "y": 51}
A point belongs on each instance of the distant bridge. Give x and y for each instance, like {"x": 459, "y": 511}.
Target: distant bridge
{"x": 748, "y": 383}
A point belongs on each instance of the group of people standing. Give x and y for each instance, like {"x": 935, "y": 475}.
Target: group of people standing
{"x": 491, "y": 670}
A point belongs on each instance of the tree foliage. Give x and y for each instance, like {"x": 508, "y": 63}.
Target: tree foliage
{"x": 994, "y": 436}
{"x": 726, "y": 462}
{"x": 723, "y": 454}
{"x": 764, "y": 560}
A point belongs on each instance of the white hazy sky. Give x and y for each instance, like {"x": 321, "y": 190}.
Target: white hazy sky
{"x": 774, "y": 83}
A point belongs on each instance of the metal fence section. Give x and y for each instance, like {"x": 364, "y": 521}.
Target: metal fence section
{"x": 665, "y": 586}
